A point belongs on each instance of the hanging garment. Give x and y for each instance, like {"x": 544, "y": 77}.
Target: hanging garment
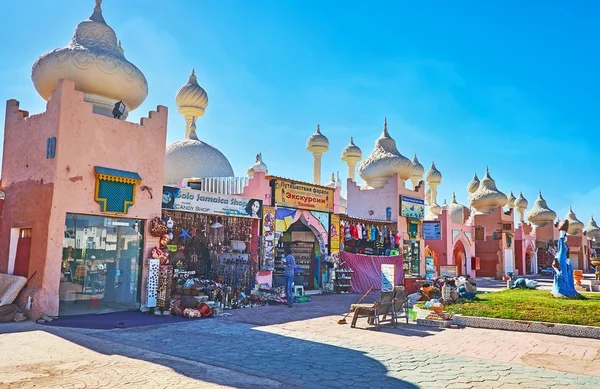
{"x": 364, "y": 236}
{"x": 373, "y": 233}
{"x": 347, "y": 234}
{"x": 353, "y": 231}
{"x": 359, "y": 231}
{"x": 393, "y": 240}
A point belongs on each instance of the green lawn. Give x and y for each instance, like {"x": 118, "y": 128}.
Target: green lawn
{"x": 534, "y": 305}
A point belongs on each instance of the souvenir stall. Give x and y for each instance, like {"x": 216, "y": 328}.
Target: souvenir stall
{"x": 299, "y": 221}
{"x": 368, "y": 237}
{"x": 208, "y": 251}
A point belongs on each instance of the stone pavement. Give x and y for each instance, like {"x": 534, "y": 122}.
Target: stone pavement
{"x": 303, "y": 347}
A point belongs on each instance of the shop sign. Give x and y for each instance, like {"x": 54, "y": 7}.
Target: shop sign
{"x": 412, "y": 207}
{"x": 189, "y": 200}
{"x": 303, "y": 196}
{"x": 388, "y": 277}
{"x": 334, "y": 240}
{"x": 432, "y": 230}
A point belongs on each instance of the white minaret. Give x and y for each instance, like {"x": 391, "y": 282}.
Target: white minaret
{"x": 433, "y": 178}
{"x": 317, "y": 144}
{"x": 351, "y": 155}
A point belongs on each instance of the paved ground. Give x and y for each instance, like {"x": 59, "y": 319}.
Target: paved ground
{"x": 303, "y": 347}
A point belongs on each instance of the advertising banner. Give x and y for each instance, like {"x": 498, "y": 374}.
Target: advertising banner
{"x": 303, "y": 196}
{"x": 412, "y": 207}
{"x": 189, "y": 200}
{"x": 334, "y": 242}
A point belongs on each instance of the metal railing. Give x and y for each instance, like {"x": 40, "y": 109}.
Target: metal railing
{"x": 221, "y": 185}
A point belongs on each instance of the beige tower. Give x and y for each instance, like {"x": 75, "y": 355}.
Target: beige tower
{"x": 317, "y": 144}
{"x": 433, "y": 178}
{"x": 351, "y": 155}
{"x": 521, "y": 204}
{"x": 191, "y": 100}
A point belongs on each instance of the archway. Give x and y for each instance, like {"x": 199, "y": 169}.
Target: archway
{"x": 459, "y": 255}
{"x": 431, "y": 263}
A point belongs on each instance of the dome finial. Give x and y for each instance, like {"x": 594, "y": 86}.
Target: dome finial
{"x": 454, "y": 198}
{"x": 97, "y": 14}
{"x": 385, "y": 129}
{"x": 352, "y": 141}
{"x": 318, "y": 128}
{"x": 193, "y": 79}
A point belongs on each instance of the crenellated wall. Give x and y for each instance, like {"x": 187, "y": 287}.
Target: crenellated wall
{"x": 40, "y": 191}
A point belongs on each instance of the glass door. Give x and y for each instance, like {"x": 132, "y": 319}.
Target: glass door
{"x": 101, "y": 264}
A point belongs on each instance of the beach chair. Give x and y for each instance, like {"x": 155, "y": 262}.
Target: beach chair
{"x": 373, "y": 311}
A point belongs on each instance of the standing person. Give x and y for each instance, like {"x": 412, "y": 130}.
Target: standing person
{"x": 290, "y": 265}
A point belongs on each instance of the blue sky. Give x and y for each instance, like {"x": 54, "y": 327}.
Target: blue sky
{"x": 508, "y": 84}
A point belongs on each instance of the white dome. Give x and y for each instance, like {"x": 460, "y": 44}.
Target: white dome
{"x": 192, "y": 158}
{"x": 192, "y": 99}
{"x": 511, "y": 200}
{"x": 487, "y": 196}
{"x": 435, "y": 209}
{"x": 338, "y": 181}
{"x": 94, "y": 60}
{"x": 317, "y": 142}
{"x": 575, "y": 225}
{"x": 456, "y": 211}
{"x": 444, "y": 205}
{"x": 351, "y": 153}
{"x": 384, "y": 161}
{"x": 473, "y": 185}
{"x": 592, "y": 230}
{"x": 331, "y": 183}
{"x": 259, "y": 166}
{"x": 428, "y": 195}
{"x": 521, "y": 202}
{"x": 540, "y": 214}
{"x": 417, "y": 170}
{"x": 433, "y": 176}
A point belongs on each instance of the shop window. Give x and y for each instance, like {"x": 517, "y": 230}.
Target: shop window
{"x": 115, "y": 189}
{"x": 413, "y": 230}
{"x": 95, "y": 276}
{"x": 411, "y": 254}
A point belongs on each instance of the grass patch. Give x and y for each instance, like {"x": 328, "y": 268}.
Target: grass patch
{"x": 533, "y": 305}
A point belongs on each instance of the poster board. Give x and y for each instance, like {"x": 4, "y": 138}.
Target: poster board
{"x": 432, "y": 230}
{"x": 388, "y": 275}
{"x": 412, "y": 207}
{"x": 449, "y": 271}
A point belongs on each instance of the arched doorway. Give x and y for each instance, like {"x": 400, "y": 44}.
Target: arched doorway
{"x": 460, "y": 257}
{"x": 431, "y": 263}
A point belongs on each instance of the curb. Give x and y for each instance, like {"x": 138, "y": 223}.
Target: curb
{"x": 528, "y": 326}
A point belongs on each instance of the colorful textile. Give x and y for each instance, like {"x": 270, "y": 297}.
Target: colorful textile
{"x": 367, "y": 270}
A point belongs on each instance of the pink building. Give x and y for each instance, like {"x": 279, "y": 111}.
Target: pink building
{"x": 449, "y": 245}
{"x": 80, "y": 184}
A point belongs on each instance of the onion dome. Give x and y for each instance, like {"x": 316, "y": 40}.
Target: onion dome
{"x": 487, "y": 196}
{"x": 433, "y": 176}
{"x": 384, "y": 161}
{"x": 428, "y": 195}
{"x": 456, "y": 211}
{"x": 473, "y": 185}
{"x": 540, "y": 214}
{"x": 331, "y": 183}
{"x": 511, "y": 200}
{"x": 521, "y": 202}
{"x": 258, "y": 167}
{"x": 317, "y": 143}
{"x": 592, "y": 230}
{"x": 351, "y": 153}
{"x": 417, "y": 171}
{"x": 338, "y": 181}
{"x": 575, "y": 225}
{"x": 192, "y": 158}
{"x": 444, "y": 206}
{"x": 95, "y": 61}
{"x": 435, "y": 208}
{"x": 191, "y": 99}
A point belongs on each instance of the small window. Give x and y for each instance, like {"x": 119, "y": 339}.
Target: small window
{"x": 479, "y": 233}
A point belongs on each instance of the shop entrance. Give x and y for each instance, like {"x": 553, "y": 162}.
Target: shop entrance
{"x": 23, "y": 252}
{"x": 101, "y": 265}
{"x": 305, "y": 248}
